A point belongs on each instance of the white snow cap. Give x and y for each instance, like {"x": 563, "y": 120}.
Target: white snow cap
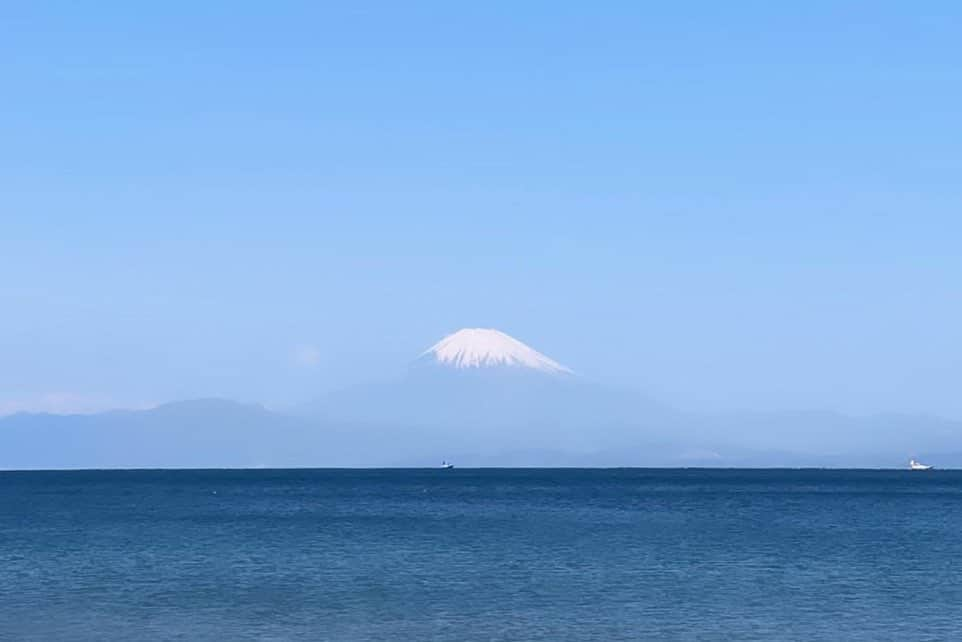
{"x": 483, "y": 348}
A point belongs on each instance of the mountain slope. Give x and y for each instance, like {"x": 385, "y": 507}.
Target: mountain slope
{"x": 200, "y": 433}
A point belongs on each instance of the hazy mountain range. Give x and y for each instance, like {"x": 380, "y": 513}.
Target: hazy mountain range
{"x": 479, "y": 398}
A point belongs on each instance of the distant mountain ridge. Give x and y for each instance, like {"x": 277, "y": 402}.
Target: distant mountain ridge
{"x": 218, "y": 433}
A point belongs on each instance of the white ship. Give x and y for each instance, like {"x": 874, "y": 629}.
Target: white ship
{"x": 915, "y": 465}
{"x": 446, "y": 464}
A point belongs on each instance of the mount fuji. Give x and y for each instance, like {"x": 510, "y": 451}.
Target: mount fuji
{"x": 484, "y": 392}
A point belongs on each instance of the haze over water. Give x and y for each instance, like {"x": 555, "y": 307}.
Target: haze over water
{"x": 467, "y": 555}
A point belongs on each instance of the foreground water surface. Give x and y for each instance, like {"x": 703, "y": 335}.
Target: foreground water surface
{"x": 481, "y": 555}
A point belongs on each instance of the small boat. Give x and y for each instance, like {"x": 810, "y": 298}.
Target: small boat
{"x": 915, "y": 465}
{"x": 446, "y": 465}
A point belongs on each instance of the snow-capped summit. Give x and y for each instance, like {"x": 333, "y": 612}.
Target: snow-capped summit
{"x": 484, "y": 348}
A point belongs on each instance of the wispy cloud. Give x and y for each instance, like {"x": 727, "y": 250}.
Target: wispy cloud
{"x": 307, "y": 355}
{"x": 61, "y": 403}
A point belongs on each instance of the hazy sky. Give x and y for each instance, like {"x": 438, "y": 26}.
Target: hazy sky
{"x": 727, "y": 205}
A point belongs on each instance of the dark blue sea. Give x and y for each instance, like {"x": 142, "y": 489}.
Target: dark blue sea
{"x": 465, "y": 555}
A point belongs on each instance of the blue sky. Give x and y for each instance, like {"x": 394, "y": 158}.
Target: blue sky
{"x": 749, "y": 206}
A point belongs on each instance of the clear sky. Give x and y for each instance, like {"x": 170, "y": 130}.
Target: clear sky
{"x": 726, "y": 205}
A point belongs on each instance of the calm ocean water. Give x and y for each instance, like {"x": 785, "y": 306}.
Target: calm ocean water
{"x": 481, "y": 555}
